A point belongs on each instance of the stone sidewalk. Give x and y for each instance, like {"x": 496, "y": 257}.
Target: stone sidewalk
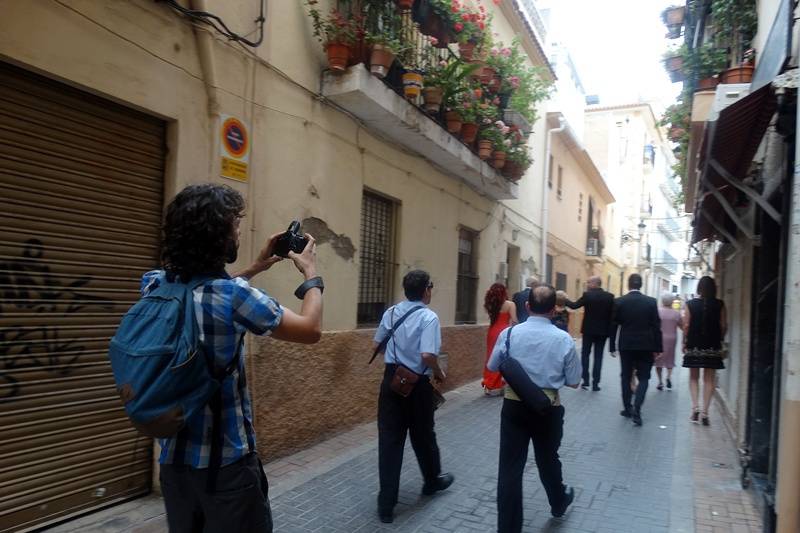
{"x": 627, "y": 479}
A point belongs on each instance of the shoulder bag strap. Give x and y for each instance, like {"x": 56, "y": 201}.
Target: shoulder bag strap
{"x": 389, "y": 335}
{"x": 508, "y": 341}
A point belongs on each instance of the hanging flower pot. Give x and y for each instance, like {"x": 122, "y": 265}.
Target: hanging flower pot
{"x": 499, "y": 159}
{"x": 673, "y": 15}
{"x": 404, "y": 5}
{"x": 477, "y": 73}
{"x": 517, "y": 173}
{"x": 707, "y": 83}
{"x": 469, "y": 130}
{"x": 465, "y": 50}
{"x": 338, "y": 56}
{"x": 432, "y": 96}
{"x": 743, "y": 74}
{"x": 675, "y": 134}
{"x": 380, "y": 61}
{"x": 453, "y": 120}
{"x": 412, "y": 84}
{"x": 484, "y": 149}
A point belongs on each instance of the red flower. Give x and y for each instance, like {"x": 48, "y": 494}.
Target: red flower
{"x": 458, "y": 26}
{"x": 497, "y": 2}
{"x": 481, "y": 25}
{"x": 465, "y": 17}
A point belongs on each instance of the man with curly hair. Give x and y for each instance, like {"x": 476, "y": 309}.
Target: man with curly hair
{"x": 201, "y": 235}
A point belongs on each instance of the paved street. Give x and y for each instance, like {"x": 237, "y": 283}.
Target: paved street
{"x": 627, "y": 479}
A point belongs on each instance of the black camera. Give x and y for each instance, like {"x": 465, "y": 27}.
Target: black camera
{"x": 291, "y": 241}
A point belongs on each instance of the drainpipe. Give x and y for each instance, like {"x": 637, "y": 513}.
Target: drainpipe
{"x": 546, "y": 193}
{"x": 788, "y": 489}
{"x": 205, "y": 53}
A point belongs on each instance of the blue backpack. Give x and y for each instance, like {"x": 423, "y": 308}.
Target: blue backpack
{"x": 162, "y": 374}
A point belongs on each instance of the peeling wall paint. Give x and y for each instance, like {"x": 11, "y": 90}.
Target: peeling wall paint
{"x": 340, "y": 243}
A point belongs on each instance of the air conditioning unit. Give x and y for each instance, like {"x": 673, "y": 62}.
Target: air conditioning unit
{"x": 592, "y": 247}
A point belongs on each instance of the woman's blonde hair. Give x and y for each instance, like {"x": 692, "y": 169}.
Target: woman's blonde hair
{"x": 561, "y": 298}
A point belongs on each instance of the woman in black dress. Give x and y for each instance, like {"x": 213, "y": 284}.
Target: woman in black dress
{"x": 704, "y": 325}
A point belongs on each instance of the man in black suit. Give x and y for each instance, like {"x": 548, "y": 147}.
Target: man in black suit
{"x": 636, "y": 315}
{"x": 521, "y": 298}
{"x": 598, "y": 306}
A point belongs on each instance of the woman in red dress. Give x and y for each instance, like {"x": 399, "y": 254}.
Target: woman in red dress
{"x": 502, "y": 313}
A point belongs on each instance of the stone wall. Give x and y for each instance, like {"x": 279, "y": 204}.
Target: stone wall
{"x": 305, "y": 393}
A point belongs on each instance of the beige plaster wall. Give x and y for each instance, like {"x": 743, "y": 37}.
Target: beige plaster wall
{"x": 307, "y": 159}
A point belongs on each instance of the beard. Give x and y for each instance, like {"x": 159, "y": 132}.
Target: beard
{"x": 231, "y": 251}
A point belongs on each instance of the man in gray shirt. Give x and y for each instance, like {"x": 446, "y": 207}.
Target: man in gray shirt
{"x": 548, "y": 356}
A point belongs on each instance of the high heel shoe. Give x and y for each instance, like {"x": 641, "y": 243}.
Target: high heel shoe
{"x": 695, "y": 415}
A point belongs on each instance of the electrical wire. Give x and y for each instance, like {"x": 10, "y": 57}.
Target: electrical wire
{"x": 212, "y": 20}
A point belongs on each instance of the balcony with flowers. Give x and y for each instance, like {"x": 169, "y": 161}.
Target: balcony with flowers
{"x": 429, "y": 76}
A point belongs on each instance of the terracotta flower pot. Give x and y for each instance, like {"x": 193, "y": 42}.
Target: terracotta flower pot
{"x": 432, "y": 96}
{"x": 517, "y": 173}
{"x": 476, "y": 74}
{"x": 494, "y": 83}
{"x": 499, "y": 159}
{"x": 412, "y": 84}
{"x": 465, "y": 50}
{"x": 404, "y": 5}
{"x": 359, "y": 52}
{"x": 469, "y": 130}
{"x": 338, "y": 55}
{"x": 484, "y": 149}
{"x": 508, "y": 168}
{"x": 743, "y": 74}
{"x": 453, "y": 120}
{"x": 707, "y": 83}
{"x": 675, "y": 134}
{"x": 380, "y": 61}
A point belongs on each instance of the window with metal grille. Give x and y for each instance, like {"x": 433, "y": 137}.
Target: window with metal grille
{"x": 467, "y": 281}
{"x": 376, "y": 258}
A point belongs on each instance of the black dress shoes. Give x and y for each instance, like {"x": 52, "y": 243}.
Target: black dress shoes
{"x": 626, "y": 413}
{"x": 386, "y": 515}
{"x": 595, "y": 388}
{"x": 569, "y": 496}
{"x": 440, "y": 482}
{"x": 637, "y": 418}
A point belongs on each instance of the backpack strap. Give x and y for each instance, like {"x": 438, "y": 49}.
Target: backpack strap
{"x": 508, "y": 341}
{"x": 215, "y": 403}
{"x": 382, "y": 345}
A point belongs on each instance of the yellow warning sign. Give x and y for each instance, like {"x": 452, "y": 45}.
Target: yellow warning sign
{"x": 234, "y": 169}
{"x": 234, "y": 148}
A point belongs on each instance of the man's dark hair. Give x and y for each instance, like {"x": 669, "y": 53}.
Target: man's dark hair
{"x": 635, "y": 282}
{"x": 415, "y": 283}
{"x": 198, "y": 230}
{"x": 542, "y": 299}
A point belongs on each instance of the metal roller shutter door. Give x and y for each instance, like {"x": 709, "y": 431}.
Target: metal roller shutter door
{"x": 81, "y": 189}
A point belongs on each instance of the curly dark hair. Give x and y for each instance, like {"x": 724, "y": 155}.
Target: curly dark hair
{"x": 199, "y": 230}
{"x": 495, "y": 297}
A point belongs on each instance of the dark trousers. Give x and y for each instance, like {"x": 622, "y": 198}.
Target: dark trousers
{"x": 641, "y": 363}
{"x": 239, "y": 505}
{"x": 396, "y": 417}
{"x": 519, "y": 426}
{"x": 599, "y": 343}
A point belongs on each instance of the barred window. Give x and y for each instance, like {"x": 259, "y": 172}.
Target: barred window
{"x": 467, "y": 281}
{"x": 376, "y": 258}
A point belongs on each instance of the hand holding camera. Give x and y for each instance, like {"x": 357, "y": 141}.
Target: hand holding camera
{"x": 297, "y": 247}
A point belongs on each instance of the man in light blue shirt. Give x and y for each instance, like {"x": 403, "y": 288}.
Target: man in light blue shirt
{"x": 548, "y": 356}
{"x": 415, "y": 345}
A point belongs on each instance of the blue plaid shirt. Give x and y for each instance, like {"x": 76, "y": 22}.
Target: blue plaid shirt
{"x": 226, "y": 309}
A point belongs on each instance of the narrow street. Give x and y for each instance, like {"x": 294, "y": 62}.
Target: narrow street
{"x": 667, "y": 476}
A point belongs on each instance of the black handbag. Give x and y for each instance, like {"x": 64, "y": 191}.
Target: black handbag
{"x": 521, "y": 383}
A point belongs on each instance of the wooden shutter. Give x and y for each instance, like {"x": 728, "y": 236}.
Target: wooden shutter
{"x": 81, "y": 190}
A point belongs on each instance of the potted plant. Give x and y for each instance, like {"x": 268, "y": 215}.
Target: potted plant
{"x": 703, "y": 63}
{"x": 337, "y": 33}
{"x": 453, "y": 120}
{"x": 468, "y": 110}
{"x": 735, "y": 22}
{"x": 412, "y": 84}
{"x": 673, "y": 15}
{"x": 469, "y": 27}
{"x": 434, "y": 19}
{"x": 436, "y": 77}
{"x": 673, "y": 63}
{"x": 385, "y": 48}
